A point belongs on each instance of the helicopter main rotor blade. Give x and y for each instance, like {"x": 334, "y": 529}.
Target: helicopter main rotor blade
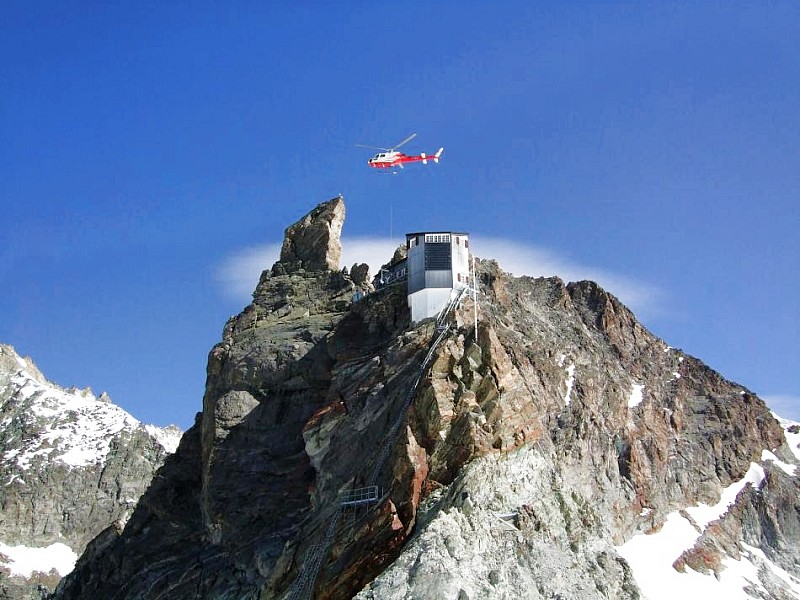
{"x": 373, "y": 147}
{"x": 408, "y": 139}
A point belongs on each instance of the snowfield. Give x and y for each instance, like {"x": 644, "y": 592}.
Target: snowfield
{"x": 651, "y": 558}
{"x": 791, "y": 429}
{"x": 168, "y": 437}
{"x": 24, "y": 561}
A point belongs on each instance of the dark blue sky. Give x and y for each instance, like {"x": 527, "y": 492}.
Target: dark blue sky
{"x": 145, "y": 149}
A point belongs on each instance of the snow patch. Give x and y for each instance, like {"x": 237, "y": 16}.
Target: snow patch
{"x": 74, "y": 428}
{"x": 792, "y": 439}
{"x": 24, "y": 561}
{"x": 569, "y": 383}
{"x": 168, "y": 437}
{"x": 785, "y": 467}
{"x": 636, "y": 397}
{"x": 703, "y": 514}
{"x": 651, "y": 556}
{"x": 787, "y": 578}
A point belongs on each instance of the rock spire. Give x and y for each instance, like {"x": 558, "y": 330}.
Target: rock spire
{"x": 314, "y": 242}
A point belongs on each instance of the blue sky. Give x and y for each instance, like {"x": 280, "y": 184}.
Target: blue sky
{"x": 152, "y": 155}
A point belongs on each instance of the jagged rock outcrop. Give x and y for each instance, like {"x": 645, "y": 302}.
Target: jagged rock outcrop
{"x": 314, "y": 242}
{"x": 520, "y": 460}
{"x": 71, "y": 465}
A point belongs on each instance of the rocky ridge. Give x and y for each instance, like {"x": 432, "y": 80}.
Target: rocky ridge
{"x": 618, "y": 435}
{"x": 72, "y": 464}
{"x": 534, "y": 451}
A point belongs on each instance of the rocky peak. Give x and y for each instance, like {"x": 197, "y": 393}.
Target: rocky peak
{"x": 71, "y": 464}
{"x": 11, "y": 363}
{"x": 521, "y": 456}
{"x": 314, "y": 242}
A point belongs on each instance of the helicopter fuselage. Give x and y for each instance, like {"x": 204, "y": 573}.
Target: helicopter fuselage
{"x": 388, "y": 160}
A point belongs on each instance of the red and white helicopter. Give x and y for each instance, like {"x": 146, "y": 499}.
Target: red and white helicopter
{"x": 389, "y": 158}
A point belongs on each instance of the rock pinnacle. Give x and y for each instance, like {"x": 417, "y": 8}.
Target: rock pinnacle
{"x": 314, "y": 242}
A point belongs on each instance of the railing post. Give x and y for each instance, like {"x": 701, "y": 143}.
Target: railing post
{"x": 475, "y": 296}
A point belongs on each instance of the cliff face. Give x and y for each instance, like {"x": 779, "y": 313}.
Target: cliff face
{"x": 525, "y": 456}
{"x": 71, "y": 465}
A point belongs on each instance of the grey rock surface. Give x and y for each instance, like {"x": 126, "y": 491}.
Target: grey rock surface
{"x": 505, "y": 529}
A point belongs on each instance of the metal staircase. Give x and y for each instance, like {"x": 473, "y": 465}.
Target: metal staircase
{"x": 303, "y": 586}
{"x": 359, "y": 496}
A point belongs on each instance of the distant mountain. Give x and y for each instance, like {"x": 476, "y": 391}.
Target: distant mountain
{"x": 71, "y": 465}
{"x": 557, "y": 450}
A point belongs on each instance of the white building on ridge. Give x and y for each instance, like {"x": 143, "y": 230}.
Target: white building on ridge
{"x": 438, "y": 266}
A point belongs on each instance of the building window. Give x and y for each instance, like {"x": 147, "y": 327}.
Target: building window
{"x": 437, "y": 238}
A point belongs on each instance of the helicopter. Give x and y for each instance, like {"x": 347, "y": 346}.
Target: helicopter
{"x": 389, "y": 158}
